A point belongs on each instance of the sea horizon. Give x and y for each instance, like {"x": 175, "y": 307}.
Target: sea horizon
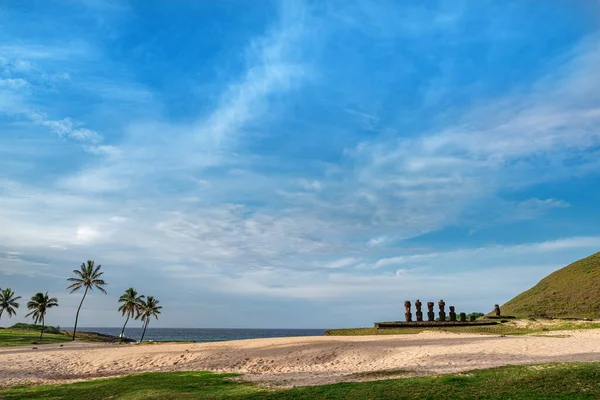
{"x": 162, "y": 334}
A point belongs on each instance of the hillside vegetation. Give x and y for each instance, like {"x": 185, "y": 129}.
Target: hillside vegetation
{"x": 571, "y": 292}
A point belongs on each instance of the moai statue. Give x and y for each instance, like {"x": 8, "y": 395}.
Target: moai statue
{"x": 441, "y": 305}
{"x": 463, "y": 317}
{"x": 430, "y": 313}
{"x": 497, "y": 310}
{"x": 419, "y": 313}
{"x": 472, "y": 318}
{"x": 452, "y": 314}
{"x": 407, "y": 313}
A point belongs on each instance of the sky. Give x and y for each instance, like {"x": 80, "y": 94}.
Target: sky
{"x": 295, "y": 164}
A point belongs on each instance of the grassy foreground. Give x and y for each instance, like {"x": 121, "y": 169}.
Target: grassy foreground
{"x": 549, "y": 381}
{"x": 519, "y": 327}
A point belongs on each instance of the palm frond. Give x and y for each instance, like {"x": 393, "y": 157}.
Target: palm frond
{"x": 74, "y": 287}
{"x": 100, "y": 288}
{"x": 95, "y": 272}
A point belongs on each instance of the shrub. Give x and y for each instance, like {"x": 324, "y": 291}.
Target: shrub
{"x": 475, "y": 314}
{"x": 34, "y": 327}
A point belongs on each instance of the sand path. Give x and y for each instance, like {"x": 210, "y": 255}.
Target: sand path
{"x": 300, "y": 360}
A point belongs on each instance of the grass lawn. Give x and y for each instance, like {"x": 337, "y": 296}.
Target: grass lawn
{"x": 549, "y": 381}
{"x": 26, "y": 337}
{"x": 522, "y": 327}
{"x": 22, "y": 337}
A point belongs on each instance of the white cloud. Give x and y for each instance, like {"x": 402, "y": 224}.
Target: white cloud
{"x": 112, "y": 151}
{"x": 311, "y": 184}
{"x": 14, "y": 84}
{"x": 492, "y": 255}
{"x": 87, "y": 235}
{"x": 343, "y": 262}
{"x": 68, "y": 128}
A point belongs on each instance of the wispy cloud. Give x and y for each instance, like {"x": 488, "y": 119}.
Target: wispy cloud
{"x": 23, "y": 80}
{"x": 490, "y": 254}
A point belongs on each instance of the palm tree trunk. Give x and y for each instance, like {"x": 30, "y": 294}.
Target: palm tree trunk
{"x": 123, "y": 330}
{"x": 77, "y": 315}
{"x": 42, "y": 331}
{"x": 1, "y": 311}
{"x": 144, "y": 332}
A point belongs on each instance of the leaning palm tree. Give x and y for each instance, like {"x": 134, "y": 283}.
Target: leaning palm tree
{"x": 8, "y": 302}
{"x": 87, "y": 276}
{"x": 148, "y": 309}
{"x": 131, "y": 305}
{"x": 38, "y": 305}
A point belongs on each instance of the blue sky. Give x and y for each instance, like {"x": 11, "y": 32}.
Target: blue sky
{"x": 296, "y": 164}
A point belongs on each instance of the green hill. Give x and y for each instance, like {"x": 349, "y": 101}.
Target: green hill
{"x": 570, "y": 292}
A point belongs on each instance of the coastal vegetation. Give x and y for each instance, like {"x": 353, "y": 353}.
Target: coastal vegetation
{"x": 23, "y": 337}
{"x": 88, "y": 276}
{"x": 131, "y": 305}
{"x": 8, "y": 302}
{"x": 570, "y": 292}
{"x": 36, "y": 327}
{"x": 148, "y": 309}
{"x": 28, "y": 334}
{"x": 39, "y": 305}
{"x": 547, "y": 381}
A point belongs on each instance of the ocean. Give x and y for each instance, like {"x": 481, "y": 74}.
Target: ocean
{"x": 203, "y": 334}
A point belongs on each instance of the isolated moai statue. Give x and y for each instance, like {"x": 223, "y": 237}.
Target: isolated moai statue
{"x": 419, "y": 313}
{"x": 441, "y": 305}
{"x": 407, "y": 313}
{"x": 497, "y": 310}
{"x": 463, "y": 317}
{"x": 472, "y": 318}
{"x": 430, "y": 313}
{"x": 452, "y": 314}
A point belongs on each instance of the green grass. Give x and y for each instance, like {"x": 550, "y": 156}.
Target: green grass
{"x": 550, "y": 381}
{"x": 26, "y": 337}
{"x": 23, "y": 337}
{"x": 508, "y": 328}
{"x": 571, "y": 292}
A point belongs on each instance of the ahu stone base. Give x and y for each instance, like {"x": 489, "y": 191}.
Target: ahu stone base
{"x": 430, "y": 324}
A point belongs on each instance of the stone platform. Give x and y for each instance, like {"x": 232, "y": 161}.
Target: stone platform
{"x": 430, "y": 324}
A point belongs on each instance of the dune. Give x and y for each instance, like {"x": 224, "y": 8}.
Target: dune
{"x": 300, "y": 360}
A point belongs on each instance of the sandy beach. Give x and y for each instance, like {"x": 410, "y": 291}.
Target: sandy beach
{"x": 300, "y": 360}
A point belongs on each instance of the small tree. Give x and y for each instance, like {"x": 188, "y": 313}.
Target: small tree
{"x": 39, "y": 304}
{"x": 8, "y": 302}
{"x": 148, "y": 309}
{"x": 87, "y": 276}
{"x": 131, "y": 305}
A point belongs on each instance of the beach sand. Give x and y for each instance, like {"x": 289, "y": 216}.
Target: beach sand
{"x": 300, "y": 360}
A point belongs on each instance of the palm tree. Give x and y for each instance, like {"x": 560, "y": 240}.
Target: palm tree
{"x": 38, "y": 305}
{"x": 148, "y": 309}
{"x": 8, "y": 302}
{"x": 87, "y": 276}
{"x": 131, "y": 305}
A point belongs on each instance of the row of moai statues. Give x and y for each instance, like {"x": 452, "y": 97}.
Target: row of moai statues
{"x": 431, "y": 314}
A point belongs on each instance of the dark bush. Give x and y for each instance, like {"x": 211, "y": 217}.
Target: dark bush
{"x": 34, "y": 327}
